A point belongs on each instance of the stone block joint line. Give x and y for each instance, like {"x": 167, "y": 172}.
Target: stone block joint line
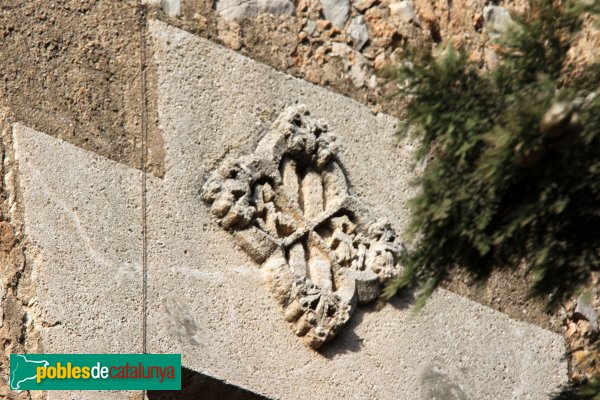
{"x": 144, "y": 139}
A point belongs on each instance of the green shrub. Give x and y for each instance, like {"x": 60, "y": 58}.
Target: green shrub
{"x": 513, "y": 158}
{"x": 512, "y": 161}
{"x": 591, "y": 391}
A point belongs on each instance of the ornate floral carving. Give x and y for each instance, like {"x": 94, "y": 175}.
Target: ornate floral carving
{"x": 289, "y": 206}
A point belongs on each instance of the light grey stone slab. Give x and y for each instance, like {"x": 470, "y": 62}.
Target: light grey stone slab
{"x": 405, "y": 10}
{"x": 241, "y": 9}
{"x": 497, "y": 20}
{"x": 82, "y": 220}
{"x": 358, "y": 31}
{"x": 207, "y": 298}
{"x": 337, "y": 11}
{"x": 170, "y": 7}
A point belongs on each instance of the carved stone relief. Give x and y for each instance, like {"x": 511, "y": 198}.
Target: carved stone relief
{"x": 289, "y": 207}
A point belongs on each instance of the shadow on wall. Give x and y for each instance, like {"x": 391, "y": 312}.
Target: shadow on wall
{"x": 195, "y": 386}
{"x": 347, "y": 341}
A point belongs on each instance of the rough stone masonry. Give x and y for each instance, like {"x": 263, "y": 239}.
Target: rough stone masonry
{"x": 205, "y": 289}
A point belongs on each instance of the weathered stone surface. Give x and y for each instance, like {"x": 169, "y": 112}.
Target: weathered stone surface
{"x": 241, "y": 9}
{"x": 311, "y": 27}
{"x": 497, "y": 20}
{"x": 382, "y": 29}
{"x": 355, "y": 64}
{"x": 405, "y": 10}
{"x": 336, "y": 11}
{"x": 560, "y": 119}
{"x": 326, "y": 252}
{"x": 170, "y": 7}
{"x": 363, "y": 5}
{"x": 7, "y": 236}
{"x": 206, "y": 295}
{"x": 585, "y": 309}
{"x": 82, "y": 222}
{"x": 358, "y": 31}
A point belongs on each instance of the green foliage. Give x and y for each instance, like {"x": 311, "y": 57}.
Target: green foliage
{"x": 504, "y": 181}
{"x": 591, "y": 391}
{"x": 512, "y": 162}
